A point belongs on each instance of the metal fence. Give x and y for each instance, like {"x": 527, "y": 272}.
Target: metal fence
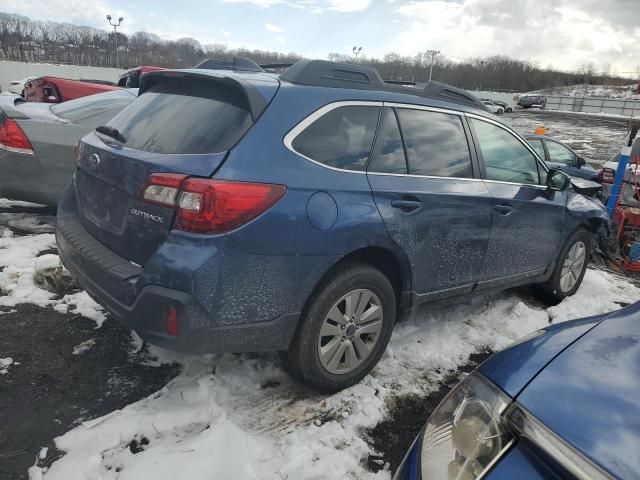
{"x": 613, "y": 106}
{"x": 18, "y": 70}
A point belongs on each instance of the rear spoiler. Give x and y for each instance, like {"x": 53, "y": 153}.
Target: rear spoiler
{"x": 8, "y": 104}
{"x": 256, "y": 102}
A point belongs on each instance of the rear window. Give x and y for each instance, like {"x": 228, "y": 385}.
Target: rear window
{"x": 92, "y": 106}
{"x": 436, "y": 144}
{"x": 179, "y": 115}
{"x": 342, "y": 138}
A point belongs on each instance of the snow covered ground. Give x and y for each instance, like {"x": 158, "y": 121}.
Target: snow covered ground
{"x": 241, "y": 416}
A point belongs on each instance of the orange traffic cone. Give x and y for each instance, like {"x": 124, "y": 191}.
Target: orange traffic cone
{"x": 540, "y": 130}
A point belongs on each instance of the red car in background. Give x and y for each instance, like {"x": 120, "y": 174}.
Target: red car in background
{"x": 131, "y": 78}
{"x": 56, "y": 90}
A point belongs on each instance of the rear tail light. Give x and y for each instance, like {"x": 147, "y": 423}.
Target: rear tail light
{"x": 171, "y": 326}
{"x": 49, "y": 93}
{"x": 210, "y": 206}
{"x": 13, "y": 138}
{"x": 217, "y": 206}
{"x": 162, "y": 188}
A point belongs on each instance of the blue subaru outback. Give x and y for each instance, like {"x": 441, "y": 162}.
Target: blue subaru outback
{"x": 231, "y": 211}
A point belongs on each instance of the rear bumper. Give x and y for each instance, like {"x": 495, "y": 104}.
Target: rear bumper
{"x": 124, "y": 291}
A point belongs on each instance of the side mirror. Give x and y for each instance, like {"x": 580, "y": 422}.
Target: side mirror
{"x": 581, "y": 162}
{"x": 557, "y": 181}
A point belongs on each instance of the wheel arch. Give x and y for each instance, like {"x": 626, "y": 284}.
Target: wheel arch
{"x": 394, "y": 265}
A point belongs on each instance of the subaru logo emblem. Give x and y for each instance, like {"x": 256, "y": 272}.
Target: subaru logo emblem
{"x": 93, "y": 161}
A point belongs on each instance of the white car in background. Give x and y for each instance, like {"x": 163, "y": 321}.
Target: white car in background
{"x": 17, "y": 86}
{"x": 493, "y": 108}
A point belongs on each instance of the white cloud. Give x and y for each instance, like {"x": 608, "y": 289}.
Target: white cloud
{"x": 558, "y": 32}
{"x": 348, "y": 5}
{"x": 270, "y": 27}
{"x": 226, "y": 33}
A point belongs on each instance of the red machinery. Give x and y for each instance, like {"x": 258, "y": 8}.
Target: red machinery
{"x": 56, "y": 90}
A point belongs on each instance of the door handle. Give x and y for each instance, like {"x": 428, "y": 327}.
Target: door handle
{"x": 406, "y": 205}
{"x": 503, "y": 209}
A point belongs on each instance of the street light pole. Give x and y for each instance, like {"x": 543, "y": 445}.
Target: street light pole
{"x": 115, "y": 35}
{"x": 356, "y": 51}
{"x": 433, "y": 54}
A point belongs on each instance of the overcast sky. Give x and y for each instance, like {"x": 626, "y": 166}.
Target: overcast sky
{"x": 558, "y": 33}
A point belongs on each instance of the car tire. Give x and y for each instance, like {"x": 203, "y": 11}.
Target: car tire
{"x": 500, "y": 111}
{"x": 568, "y": 272}
{"x": 509, "y": 110}
{"x": 319, "y": 340}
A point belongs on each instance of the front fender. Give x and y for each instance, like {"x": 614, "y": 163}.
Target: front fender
{"x": 588, "y": 212}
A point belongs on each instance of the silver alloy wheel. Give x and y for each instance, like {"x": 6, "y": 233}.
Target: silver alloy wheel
{"x": 350, "y": 331}
{"x": 572, "y": 267}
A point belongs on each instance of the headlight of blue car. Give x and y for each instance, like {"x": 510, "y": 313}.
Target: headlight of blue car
{"x": 466, "y": 434}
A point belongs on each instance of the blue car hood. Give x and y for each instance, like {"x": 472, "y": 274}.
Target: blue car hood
{"x": 513, "y": 368}
{"x": 590, "y": 393}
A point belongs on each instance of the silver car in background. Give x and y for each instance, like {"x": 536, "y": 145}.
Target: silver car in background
{"x": 37, "y": 139}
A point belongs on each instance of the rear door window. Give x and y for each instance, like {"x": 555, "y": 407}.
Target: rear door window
{"x": 341, "y": 138}
{"x": 185, "y": 115}
{"x": 436, "y": 144}
{"x": 560, "y": 154}
{"x": 390, "y": 158}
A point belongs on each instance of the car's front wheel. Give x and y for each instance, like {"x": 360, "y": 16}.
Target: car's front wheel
{"x": 500, "y": 111}
{"x": 509, "y": 110}
{"x": 345, "y": 328}
{"x": 569, "y": 269}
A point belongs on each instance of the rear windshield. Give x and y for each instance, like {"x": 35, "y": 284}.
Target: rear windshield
{"x": 91, "y": 106}
{"x": 179, "y": 115}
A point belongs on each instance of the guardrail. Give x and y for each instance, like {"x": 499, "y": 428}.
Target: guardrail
{"x": 612, "y": 106}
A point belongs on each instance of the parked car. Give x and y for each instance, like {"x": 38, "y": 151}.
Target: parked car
{"x": 507, "y": 108}
{"x": 56, "y": 90}
{"x": 562, "y": 403}
{"x": 492, "y": 107}
{"x": 131, "y": 78}
{"x": 560, "y": 156}
{"x": 37, "y": 139}
{"x": 17, "y": 86}
{"x": 528, "y": 101}
{"x": 234, "y": 211}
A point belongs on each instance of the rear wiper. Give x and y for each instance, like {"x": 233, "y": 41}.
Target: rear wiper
{"x": 111, "y": 132}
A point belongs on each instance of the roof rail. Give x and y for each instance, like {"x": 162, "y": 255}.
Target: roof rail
{"x": 236, "y": 63}
{"x": 322, "y": 73}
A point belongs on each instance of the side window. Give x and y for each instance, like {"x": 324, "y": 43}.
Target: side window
{"x": 536, "y": 143}
{"x": 506, "y": 159}
{"x": 390, "y": 158}
{"x": 342, "y": 138}
{"x": 559, "y": 153}
{"x": 436, "y": 144}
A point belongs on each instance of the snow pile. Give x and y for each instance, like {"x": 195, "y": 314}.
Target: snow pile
{"x": 83, "y": 347}
{"x": 29, "y": 278}
{"x": 242, "y": 417}
{"x": 5, "y": 363}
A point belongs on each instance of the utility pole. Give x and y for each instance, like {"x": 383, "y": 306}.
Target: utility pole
{"x": 115, "y": 34}
{"x": 356, "y": 51}
{"x": 433, "y": 54}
